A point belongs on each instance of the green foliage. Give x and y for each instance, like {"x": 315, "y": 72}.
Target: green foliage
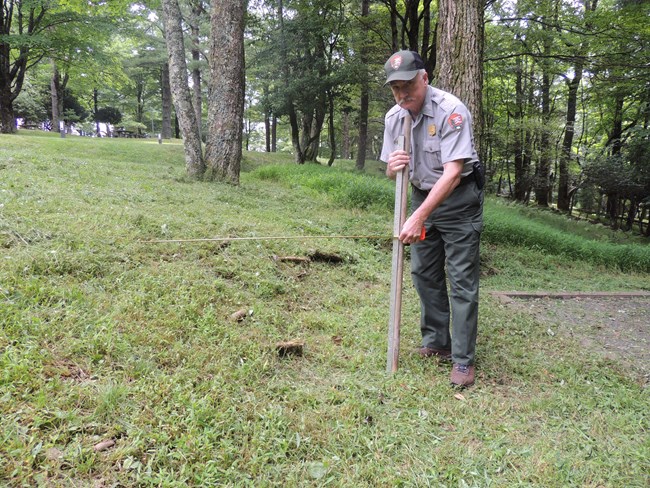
{"x": 628, "y": 173}
{"x": 109, "y": 115}
{"x": 32, "y": 103}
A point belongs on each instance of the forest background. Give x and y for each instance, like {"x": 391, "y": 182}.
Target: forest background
{"x": 562, "y": 119}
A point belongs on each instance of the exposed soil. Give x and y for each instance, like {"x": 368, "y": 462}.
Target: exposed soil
{"x": 614, "y": 325}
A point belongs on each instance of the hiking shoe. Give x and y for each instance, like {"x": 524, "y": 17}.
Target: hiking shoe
{"x": 427, "y": 352}
{"x": 462, "y": 375}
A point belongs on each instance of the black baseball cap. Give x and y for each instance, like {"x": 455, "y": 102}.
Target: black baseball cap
{"x": 403, "y": 66}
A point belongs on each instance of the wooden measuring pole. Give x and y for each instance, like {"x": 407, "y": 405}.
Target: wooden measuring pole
{"x": 401, "y": 197}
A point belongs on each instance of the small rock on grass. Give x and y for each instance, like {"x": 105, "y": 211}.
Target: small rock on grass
{"x": 240, "y": 315}
{"x": 103, "y": 445}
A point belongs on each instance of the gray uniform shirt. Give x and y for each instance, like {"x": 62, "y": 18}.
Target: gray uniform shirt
{"x": 442, "y": 132}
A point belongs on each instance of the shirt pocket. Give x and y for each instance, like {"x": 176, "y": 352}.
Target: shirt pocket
{"x": 432, "y": 154}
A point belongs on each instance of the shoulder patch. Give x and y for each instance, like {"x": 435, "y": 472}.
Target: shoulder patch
{"x": 455, "y": 121}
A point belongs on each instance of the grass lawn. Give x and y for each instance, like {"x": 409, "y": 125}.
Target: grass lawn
{"x": 120, "y": 364}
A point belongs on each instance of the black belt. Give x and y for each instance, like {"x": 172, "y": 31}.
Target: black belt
{"x": 465, "y": 180}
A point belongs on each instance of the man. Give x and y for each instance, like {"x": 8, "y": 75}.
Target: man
{"x": 447, "y": 199}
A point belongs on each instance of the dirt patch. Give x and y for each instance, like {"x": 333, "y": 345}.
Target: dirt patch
{"x": 614, "y": 325}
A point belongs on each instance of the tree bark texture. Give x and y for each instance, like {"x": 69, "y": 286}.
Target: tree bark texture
{"x": 197, "y": 12}
{"x": 166, "y": 90}
{"x": 226, "y": 88}
{"x": 459, "y": 64}
{"x": 180, "y": 89}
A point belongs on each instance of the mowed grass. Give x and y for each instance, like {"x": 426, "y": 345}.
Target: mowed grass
{"x": 106, "y": 337}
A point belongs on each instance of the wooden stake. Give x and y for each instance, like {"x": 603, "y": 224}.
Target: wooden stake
{"x": 401, "y": 197}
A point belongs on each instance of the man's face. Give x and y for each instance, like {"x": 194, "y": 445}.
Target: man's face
{"x": 410, "y": 94}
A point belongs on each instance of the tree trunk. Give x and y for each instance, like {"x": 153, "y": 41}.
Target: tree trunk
{"x": 521, "y": 170}
{"x": 563, "y": 199}
{"x": 267, "y": 131}
{"x": 312, "y": 128}
{"x": 542, "y": 180}
{"x": 331, "y": 130}
{"x": 293, "y": 117}
{"x": 197, "y": 11}
{"x": 166, "y": 130}
{"x": 459, "y": 65}
{"x": 616, "y": 135}
{"x": 346, "y": 152}
{"x": 180, "y": 89}
{"x": 226, "y": 88}
{"x": 396, "y": 44}
{"x": 274, "y": 133}
{"x": 56, "y": 97}
{"x": 365, "y": 96}
{"x": 96, "y": 108}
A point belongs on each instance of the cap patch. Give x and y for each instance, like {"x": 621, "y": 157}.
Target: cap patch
{"x": 455, "y": 120}
{"x": 396, "y": 62}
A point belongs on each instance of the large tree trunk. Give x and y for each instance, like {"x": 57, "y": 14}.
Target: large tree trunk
{"x": 7, "y": 118}
{"x": 180, "y": 89}
{"x": 166, "y": 90}
{"x": 459, "y": 65}
{"x": 197, "y": 11}
{"x": 14, "y": 62}
{"x": 226, "y": 88}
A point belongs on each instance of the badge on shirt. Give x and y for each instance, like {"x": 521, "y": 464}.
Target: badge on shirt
{"x": 455, "y": 120}
{"x": 432, "y": 130}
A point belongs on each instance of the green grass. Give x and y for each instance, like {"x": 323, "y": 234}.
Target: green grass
{"x": 104, "y": 336}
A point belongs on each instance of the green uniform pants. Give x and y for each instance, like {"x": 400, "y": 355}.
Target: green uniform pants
{"x": 453, "y": 235}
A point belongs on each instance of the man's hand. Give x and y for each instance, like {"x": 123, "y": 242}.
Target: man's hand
{"x": 412, "y": 230}
{"x": 397, "y": 160}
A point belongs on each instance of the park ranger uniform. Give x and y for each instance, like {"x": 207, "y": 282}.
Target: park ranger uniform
{"x": 442, "y": 132}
